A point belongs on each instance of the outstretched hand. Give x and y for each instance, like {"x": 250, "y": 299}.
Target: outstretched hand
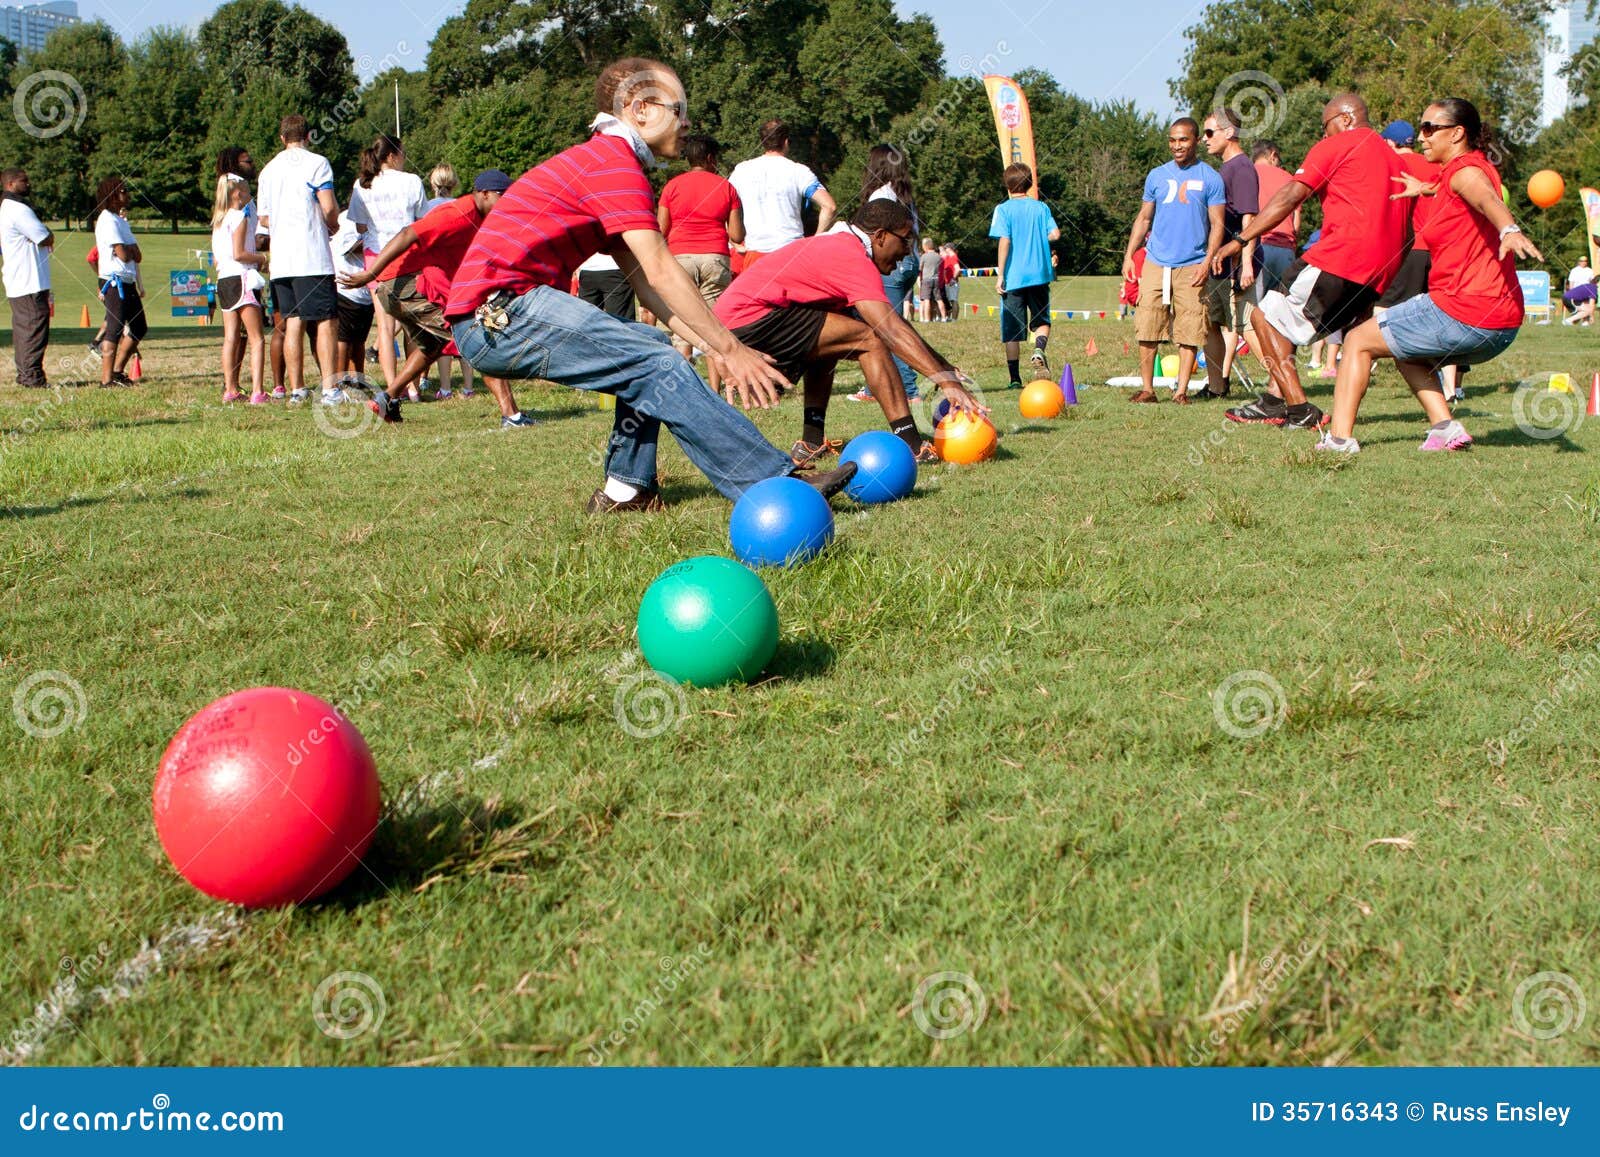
{"x": 1412, "y": 187}
{"x": 750, "y": 377}
{"x": 1520, "y": 245}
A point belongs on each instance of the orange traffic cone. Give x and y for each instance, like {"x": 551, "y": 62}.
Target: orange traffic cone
{"x": 1594, "y": 397}
{"x": 1091, "y": 349}
{"x": 137, "y": 371}
{"x": 83, "y": 320}
{"x": 1124, "y": 349}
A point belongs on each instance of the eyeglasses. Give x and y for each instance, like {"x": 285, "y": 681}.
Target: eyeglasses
{"x": 677, "y": 108}
{"x": 1428, "y": 128}
{"x": 1209, "y": 133}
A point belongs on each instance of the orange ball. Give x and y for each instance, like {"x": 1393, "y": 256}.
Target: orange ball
{"x": 965, "y": 439}
{"x": 1546, "y": 188}
{"x": 1041, "y": 399}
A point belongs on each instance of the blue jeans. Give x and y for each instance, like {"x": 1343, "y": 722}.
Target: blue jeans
{"x": 897, "y": 286}
{"x": 554, "y": 336}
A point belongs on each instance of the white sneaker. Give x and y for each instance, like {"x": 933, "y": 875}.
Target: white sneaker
{"x": 334, "y": 397}
{"x": 1348, "y": 446}
{"x": 298, "y": 396}
{"x": 443, "y": 395}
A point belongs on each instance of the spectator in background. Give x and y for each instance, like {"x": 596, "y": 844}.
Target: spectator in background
{"x": 445, "y": 185}
{"x": 950, "y": 280}
{"x": 118, "y": 277}
{"x": 928, "y": 282}
{"x": 1277, "y": 249}
{"x": 602, "y": 285}
{"x": 1580, "y": 282}
{"x": 1228, "y": 289}
{"x": 299, "y": 209}
{"x": 355, "y": 305}
{"x": 25, "y": 248}
{"x": 239, "y": 285}
{"x": 1026, "y": 229}
{"x": 240, "y": 163}
{"x": 773, "y": 191}
{"x": 700, "y": 215}
{"x": 888, "y": 178}
{"x": 384, "y": 201}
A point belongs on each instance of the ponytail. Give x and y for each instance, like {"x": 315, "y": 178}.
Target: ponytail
{"x": 374, "y": 156}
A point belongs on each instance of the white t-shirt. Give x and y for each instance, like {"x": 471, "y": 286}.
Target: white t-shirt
{"x": 885, "y": 192}
{"x": 109, "y": 230}
{"x": 286, "y": 196}
{"x": 773, "y": 190}
{"x": 27, "y": 266}
{"x": 1580, "y": 275}
{"x": 222, "y": 241}
{"x": 601, "y": 262}
{"x": 394, "y": 201}
{"x": 348, "y": 257}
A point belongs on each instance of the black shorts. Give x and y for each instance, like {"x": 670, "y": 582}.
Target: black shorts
{"x": 1024, "y": 310}
{"x": 608, "y": 291}
{"x": 230, "y": 294}
{"x": 310, "y": 298}
{"x": 1410, "y": 280}
{"x": 1317, "y": 305}
{"x": 788, "y": 334}
{"x": 355, "y": 322}
{"x": 124, "y": 310}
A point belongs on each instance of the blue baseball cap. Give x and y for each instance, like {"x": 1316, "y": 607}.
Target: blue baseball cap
{"x": 491, "y": 181}
{"x": 1399, "y": 133}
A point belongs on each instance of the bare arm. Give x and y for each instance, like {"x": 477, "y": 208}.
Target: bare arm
{"x": 906, "y": 344}
{"x": 241, "y": 253}
{"x": 736, "y": 226}
{"x": 1136, "y": 236}
{"x": 663, "y": 219}
{"x": 128, "y": 253}
{"x": 1247, "y": 271}
{"x": 398, "y": 244}
{"x": 1000, "y": 259}
{"x": 1285, "y": 201}
{"x": 1213, "y": 243}
{"x": 1476, "y": 190}
{"x": 827, "y": 209}
{"x": 330, "y": 209}
{"x": 665, "y": 289}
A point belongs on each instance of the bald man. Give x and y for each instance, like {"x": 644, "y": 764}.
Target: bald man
{"x": 1334, "y": 286}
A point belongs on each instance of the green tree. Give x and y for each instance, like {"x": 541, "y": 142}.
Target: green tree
{"x": 153, "y": 132}
{"x": 60, "y": 94}
{"x": 514, "y": 126}
{"x": 423, "y": 117}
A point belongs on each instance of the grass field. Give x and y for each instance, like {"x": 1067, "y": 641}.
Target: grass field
{"x": 1153, "y": 740}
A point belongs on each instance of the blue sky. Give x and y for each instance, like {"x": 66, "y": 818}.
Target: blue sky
{"x": 1099, "y": 50}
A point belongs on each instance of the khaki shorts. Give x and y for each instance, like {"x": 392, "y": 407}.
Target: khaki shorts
{"x": 710, "y": 273}
{"x": 422, "y": 320}
{"x": 1180, "y": 317}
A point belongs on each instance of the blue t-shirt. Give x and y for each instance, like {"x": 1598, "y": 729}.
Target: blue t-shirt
{"x": 1029, "y": 224}
{"x": 1183, "y": 199}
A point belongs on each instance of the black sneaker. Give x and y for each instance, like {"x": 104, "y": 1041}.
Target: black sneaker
{"x": 1304, "y": 417}
{"x": 385, "y": 407}
{"x": 1265, "y": 410}
{"x": 118, "y": 378}
{"x": 830, "y": 482}
{"x": 1207, "y": 395}
{"x": 646, "y": 501}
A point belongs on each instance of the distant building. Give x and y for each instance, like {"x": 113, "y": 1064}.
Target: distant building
{"x": 1569, "y": 29}
{"x": 29, "y": 27}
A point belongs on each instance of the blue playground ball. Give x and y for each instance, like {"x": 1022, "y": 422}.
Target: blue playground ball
{"x": 886, "y": 470}
{"x": 779, "y": 522}
{"x": 941, "y": 411}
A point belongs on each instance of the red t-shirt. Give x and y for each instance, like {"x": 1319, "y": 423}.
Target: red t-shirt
{"x": 832, "y": 271}
{"x": 1427, "y": 172}
{"x": 1271, "y": 179}
{"x": 553, "y": 219}
{"x": 443, "y": 237}
{"x": 1468, "y": 279}
{"x": 949, "y": 269}
{"x": 1362, "y": 229}
{"x": 697, "y": 205}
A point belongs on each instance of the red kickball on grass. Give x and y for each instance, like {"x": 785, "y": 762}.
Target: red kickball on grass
{"x": 266, "y": 797}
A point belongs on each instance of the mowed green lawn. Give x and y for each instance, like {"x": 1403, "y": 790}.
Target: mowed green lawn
{"x": 1170, "y": 741}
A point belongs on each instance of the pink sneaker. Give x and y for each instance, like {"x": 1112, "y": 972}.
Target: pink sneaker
{"x": 231, "y": 396}
{"x": 258, "y": 399}
{"x": 279, "y": 393}
{"x": 1452, "y": 437}
{"x": 465, "y": 392}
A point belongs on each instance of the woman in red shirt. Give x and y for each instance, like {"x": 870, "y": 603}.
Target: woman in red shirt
{"x": 699, "y": 214}
{"x": 1473, "y": 306}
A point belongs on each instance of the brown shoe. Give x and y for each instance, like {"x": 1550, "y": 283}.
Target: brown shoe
{"x": 1145, "y": 396}
{"x": 804, "y": 454}
{"x": 647, "y": 501}
{"x": 1181, "y": 397}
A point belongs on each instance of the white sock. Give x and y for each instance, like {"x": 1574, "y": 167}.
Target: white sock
{"x": 515, "y": 417}
{"x": 620, "y": 491}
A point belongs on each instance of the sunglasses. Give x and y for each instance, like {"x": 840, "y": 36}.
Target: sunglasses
{"x": 1428, "y": 128}
{"x": 1209, "y": 133}
{"x": 677, "y": 107}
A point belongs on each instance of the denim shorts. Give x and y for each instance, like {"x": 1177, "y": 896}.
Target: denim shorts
{"x": 1419, "y": 331}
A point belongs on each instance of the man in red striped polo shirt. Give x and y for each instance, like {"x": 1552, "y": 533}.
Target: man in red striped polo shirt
{"x": 511, "y": 316}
